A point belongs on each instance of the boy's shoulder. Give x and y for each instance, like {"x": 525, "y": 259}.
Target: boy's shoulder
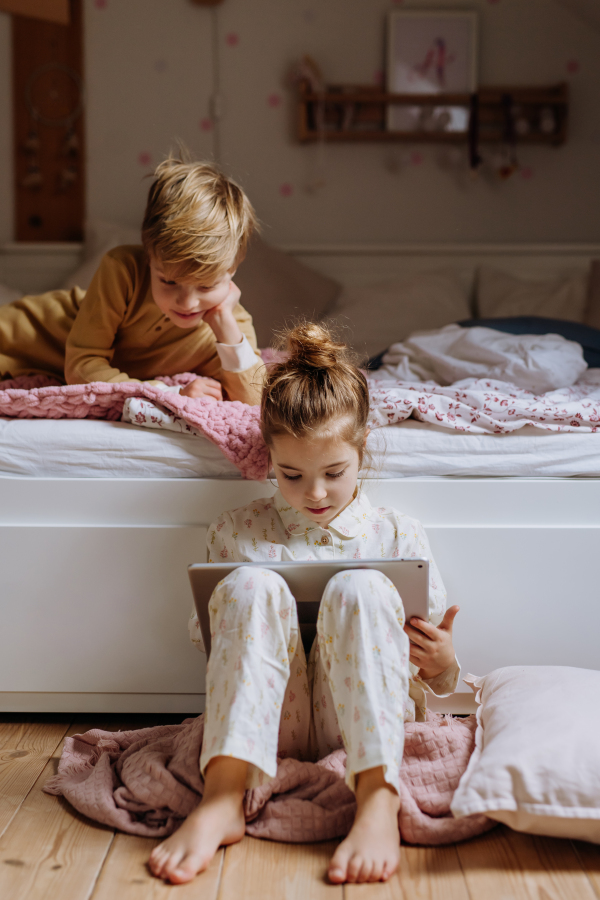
{"x": 131, "y": 256}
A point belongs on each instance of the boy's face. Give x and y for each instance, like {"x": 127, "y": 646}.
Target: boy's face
{"x": 185, "y": 302}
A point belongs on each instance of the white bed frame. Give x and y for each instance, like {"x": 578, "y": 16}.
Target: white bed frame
{"x": 93, "y": 583}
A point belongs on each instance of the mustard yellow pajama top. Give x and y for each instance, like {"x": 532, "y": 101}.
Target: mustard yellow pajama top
{"x": 116, "y": 332}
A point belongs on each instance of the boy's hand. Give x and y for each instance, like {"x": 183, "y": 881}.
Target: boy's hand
{"x": 207, "y": 388}
{"x": 221, "y": 319}
{"x": 430, "y": 646}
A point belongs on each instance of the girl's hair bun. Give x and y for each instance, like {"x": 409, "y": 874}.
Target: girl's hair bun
{"x": 312, "y": 346}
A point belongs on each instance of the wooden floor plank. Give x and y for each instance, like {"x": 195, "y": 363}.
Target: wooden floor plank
{"x": 26, "y": 745}
{"x": 589, "y": 857}
{"x": 269, "y": 870}
{"x": 126, "y": 867}
{"x": 506, "y": 863}
{"x": 425, "y": 873}
{"x": 49, "y": 850}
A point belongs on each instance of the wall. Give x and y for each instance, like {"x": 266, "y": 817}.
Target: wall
{"x": 150, "y": 69}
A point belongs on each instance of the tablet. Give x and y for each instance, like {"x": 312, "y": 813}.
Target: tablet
{"x": 307, "y": 580}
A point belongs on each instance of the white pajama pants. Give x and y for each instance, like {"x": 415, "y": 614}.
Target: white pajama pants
{"x": 263, "y": 700}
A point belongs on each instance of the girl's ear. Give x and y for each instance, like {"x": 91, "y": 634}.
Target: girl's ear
{"x": 367, "y": 433}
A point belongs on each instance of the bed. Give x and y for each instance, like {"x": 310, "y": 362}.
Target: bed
{"x": 98, "y": 521}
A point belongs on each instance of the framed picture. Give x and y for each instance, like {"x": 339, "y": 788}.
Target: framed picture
{"x": 431, "y": 52}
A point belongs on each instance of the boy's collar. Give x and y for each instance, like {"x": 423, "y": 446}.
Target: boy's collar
{"x": 347, "y": 524}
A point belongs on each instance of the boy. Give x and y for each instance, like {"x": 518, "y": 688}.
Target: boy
{"x": 166, "y": 307}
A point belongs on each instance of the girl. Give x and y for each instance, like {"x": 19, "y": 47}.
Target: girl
{"x": 358, "y": 688}
{"x": 166, "y": 307}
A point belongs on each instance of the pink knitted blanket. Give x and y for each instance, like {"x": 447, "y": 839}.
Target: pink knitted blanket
{"x": 231, "y": 425}
{"x": 146, "y": 782}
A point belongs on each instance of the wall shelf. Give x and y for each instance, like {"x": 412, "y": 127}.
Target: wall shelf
{"x": 354, "y": 113}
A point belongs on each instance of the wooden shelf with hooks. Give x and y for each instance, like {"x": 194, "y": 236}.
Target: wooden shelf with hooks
{"x": 354, "y": 113}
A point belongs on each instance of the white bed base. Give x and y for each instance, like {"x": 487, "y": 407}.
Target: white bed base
{"x": 93, "y": 583}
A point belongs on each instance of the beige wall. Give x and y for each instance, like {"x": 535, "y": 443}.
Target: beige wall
{"x": 149, "y": 73}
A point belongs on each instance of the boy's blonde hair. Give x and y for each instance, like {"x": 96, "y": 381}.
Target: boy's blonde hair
{"x": 197, "y": 221}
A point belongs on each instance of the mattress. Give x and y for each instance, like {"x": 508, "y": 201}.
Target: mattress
{"x": 86, "y": 448}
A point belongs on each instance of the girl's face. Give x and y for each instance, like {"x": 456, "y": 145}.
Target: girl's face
{"x": 318, "y": 476}
{"x": 186, "y": 302}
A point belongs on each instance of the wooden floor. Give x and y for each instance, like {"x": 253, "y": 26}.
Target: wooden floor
{"x": 49, "y": 851}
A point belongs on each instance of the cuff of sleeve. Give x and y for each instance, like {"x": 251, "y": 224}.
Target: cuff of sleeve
{"x": 237, "y": 357}
{"x": 444, "y": 684}
{"x": 168, "y": 388}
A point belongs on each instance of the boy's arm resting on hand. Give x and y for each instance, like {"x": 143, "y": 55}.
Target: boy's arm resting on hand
{"x": 90, "y": 346}
{"x": 238, "y": 368}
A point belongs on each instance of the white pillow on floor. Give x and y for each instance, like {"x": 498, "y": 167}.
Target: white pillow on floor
{"x": 536, "y": 763}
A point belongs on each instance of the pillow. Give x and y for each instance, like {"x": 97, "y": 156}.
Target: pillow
{"x": 535, "y": 766}
{"x": 8, "y": 294}
{"x": 382, "y": 314}
{"x": 500, "y": 294}
{"x": 592, "y": 309}
{"x": 276, "y": 289}
{"x": 100, "y": 237}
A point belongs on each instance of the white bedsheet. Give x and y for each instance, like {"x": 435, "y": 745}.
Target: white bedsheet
{"x": 87, "y": 448}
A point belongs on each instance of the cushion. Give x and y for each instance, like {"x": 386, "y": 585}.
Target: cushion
{"x": 381, "y": 314}
{"x": 100, "y": 237}
{"x": 276, "y": 289}
{"x": 592, "y": 310}
{"x": 535, "y": 764}
{"x": 500, "y": 294}
{"x": 8, "y": 294}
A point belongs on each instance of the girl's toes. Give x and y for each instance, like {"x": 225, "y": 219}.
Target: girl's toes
{"x": 186, "y": 869}
{"x": 338, "y": 867}
{"x": 377, "y": 871}
{"x": 354, "y": 869}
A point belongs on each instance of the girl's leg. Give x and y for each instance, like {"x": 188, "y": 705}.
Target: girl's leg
{"x": 255, "y": 635}
{"x": 363, "y": 656}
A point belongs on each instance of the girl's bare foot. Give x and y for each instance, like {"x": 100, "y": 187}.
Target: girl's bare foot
{"x": 219, "y": 819}
{"x": 371, "y": 852}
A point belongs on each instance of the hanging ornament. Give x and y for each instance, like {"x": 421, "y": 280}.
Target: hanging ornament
{"x": 33, "y": 180}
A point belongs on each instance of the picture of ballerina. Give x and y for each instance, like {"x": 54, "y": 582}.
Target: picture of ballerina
{"x": 430, "y": 53}
{"x": 437, "y": 59}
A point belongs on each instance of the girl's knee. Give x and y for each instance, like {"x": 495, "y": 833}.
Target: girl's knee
{"x": 246, "y": 584}
{"x": 367, "y": 588}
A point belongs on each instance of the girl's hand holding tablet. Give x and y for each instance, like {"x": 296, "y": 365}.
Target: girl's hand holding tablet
{"x": 430, "y": 645}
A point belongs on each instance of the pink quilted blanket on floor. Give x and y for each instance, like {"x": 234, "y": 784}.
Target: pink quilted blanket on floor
{"x": 146, "y": 782}
{"x": 232, "y": 426}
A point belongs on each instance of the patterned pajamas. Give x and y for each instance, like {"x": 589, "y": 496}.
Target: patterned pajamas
{"x": 264, "y": 701}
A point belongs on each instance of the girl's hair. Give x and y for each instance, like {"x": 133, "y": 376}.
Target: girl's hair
{"x": 317, "y": 389}
{"x": 197, "y": 220}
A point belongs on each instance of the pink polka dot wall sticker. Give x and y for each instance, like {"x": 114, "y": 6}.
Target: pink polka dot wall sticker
{"x": 527, "y": 173}
{"x": 144, "y": 158}
{"x": 573, "y": 66}
{"x": 160, "y": 66}
{"x": 206, "y": 124}
{"x": 417, "y": 158}
{"x": 100, "y": 4}
{"x": 286, "y": 189}
{"x": 274, "y": 100}
{"x": 232, "y": 39}
{"x": 378, "y": 76}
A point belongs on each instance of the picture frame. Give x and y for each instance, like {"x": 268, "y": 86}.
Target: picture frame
{"x": 431, "y": 52}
